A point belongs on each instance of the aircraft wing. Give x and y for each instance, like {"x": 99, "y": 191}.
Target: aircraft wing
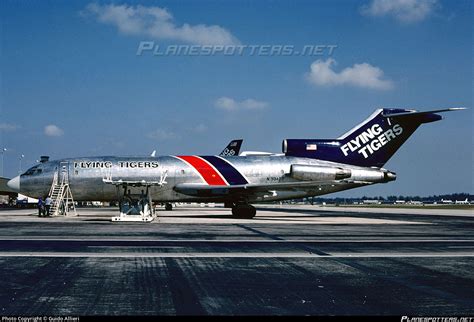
{"x": 201, "y": 190}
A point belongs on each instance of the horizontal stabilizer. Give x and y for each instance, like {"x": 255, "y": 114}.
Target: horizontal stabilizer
{"x": 415, "y": 112}
{"x": 255, "y": 153}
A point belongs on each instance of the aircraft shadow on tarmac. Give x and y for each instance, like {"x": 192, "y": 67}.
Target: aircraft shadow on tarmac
{"x": 98, "y": 220}
{"x": 210, "y": 216}
{"x": 290, "y": 214}
{"x": 281, "y": 214}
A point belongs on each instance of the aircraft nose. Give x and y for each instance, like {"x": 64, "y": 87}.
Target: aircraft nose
{"x": 14, "y": 183}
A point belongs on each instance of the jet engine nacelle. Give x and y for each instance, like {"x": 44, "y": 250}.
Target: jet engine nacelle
{"x": 373, "y": 175}
{"x": 318, "y": 173}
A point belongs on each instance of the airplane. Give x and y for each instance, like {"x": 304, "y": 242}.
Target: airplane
{"x": 447, "y": 201}
{"x": 462, "y": 202}
{"x": 306, "y": 168}
{"x": 233, "y": 148}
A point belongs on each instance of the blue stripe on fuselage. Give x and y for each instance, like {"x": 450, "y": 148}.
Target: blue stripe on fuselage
{"x": 231, "y": 174}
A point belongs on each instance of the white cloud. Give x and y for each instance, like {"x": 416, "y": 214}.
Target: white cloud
{"x": 6, "y": 127}
{"x": 158, "y": 23}
{"x": 406, "y": 11}
{"x": 162, "y": 135}
{"x": 360, "y": 75}
{"x": 229, "y": 104}
{"x": 53, "y": 130}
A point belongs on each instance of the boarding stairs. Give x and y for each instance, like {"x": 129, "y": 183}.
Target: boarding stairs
{"x": 61, "y": 195}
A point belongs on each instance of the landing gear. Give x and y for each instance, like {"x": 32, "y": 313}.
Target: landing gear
{"x": 168, "y": 206}
{"x": 244, "y": 211}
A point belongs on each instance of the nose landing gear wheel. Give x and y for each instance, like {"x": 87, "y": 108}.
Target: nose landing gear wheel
{"x": 244, "y": 211}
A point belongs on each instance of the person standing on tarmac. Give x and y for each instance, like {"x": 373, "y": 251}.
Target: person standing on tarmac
{"x": 40, "y": 207}
{"x": 47, "y": 203}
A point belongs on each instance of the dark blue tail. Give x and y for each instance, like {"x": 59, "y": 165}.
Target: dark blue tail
{"x": 233, "y": 148}
{"x": 371, "y": 143}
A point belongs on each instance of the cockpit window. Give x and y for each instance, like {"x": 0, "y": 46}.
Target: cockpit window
{"x": 33, "y": 170}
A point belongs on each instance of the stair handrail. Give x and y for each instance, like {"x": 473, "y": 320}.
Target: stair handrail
{"x": 55, "y": 181}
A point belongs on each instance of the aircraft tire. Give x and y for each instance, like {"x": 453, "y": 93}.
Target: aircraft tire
{"x": 244, "y": 211}
{"x": 168, "y": 206}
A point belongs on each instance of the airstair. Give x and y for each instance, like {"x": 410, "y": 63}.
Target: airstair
{"x": 60, "y": 193}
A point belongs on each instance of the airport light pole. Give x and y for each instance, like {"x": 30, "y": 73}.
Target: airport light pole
{"x": 3, "y": 157}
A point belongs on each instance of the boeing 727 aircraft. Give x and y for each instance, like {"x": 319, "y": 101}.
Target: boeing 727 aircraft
{"x": 306, "y": 167}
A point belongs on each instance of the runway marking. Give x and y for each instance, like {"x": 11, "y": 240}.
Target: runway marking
{"x": 259, "y": 232}
{"x": 273, "y": 237}
{"x": 228, "y": 255}
{"x": 284, "y": 241}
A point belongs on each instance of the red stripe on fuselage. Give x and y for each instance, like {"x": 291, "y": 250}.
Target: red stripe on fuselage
{"x": 210, "y": 175}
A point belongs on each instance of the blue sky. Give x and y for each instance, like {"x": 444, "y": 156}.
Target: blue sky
{"x": 72, "y": 84}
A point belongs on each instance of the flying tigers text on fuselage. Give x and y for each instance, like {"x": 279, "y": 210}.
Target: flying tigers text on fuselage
{"x": 121, "y": 164}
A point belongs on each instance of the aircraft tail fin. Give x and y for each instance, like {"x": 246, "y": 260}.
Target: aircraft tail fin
{"x": 371, "y": 143}
{"x": 233, "y": 148}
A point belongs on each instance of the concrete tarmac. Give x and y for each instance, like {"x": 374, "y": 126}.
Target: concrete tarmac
{"x": 289, "y": 260}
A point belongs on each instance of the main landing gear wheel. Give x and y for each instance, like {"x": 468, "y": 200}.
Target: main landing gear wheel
{"x": 244, "y": 211}
{"x": 168, "y": 206}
